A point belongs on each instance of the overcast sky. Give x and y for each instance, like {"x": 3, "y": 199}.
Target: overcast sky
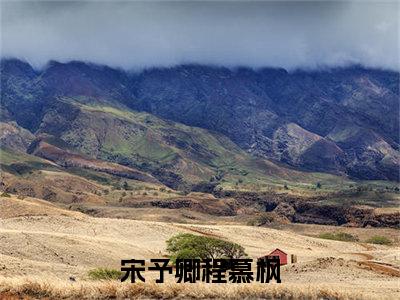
{"x": 255, "y": 34}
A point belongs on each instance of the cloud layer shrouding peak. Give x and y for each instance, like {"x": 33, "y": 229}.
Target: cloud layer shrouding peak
{"x": 255, "y": 34}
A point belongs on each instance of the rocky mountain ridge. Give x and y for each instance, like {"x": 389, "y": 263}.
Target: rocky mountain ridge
{"x": 341, "y": 121}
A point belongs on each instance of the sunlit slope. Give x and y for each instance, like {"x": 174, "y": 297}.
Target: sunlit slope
{"x": 176, "y": 154}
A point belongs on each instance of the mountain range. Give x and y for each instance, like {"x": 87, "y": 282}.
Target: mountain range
{"x": 192, "y": 124}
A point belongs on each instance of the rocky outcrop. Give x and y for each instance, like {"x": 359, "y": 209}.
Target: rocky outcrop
{"x": 285, "y": 210}
{"x": 207, "y": 205}
{"x": 311, "y": 212}
{"x": 15, "y": 137}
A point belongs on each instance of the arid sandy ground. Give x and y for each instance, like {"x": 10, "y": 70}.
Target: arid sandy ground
{"x": 38, "y": 239}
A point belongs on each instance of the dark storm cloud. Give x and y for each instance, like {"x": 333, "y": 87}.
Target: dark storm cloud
{"x": 142, "y": 34}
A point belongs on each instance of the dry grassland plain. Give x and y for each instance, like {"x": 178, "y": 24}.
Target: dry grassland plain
{"x": 42, "y": 246}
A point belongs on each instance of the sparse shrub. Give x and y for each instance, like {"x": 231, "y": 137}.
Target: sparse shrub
{"x": 318, "y": 185}
{"x": 338, "y": 236}
{"x": 380, "y": 240}
{"x": 106, "y": 191}
{"x": 218, "y": 189}
{"x": 104, "y": 274}
{"x": 125, "y": 186}
{"x": 203, "y": 187}
{"x": 5, "y": 194}
{"x": 183, "y": 193}
{"x": 220, "y": 174}
{"x": 186, "y": 245}
{"x": 155, "y": 194}
{"x": 144, "y": 194}
{"x": 123, "y": 194}
{"x": 162, "y": 189}
{"x": 285, "y": 187}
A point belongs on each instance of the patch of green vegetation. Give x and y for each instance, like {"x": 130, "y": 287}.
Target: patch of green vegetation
{"x": 104, "y": 274}
{"x": 18, "y": 163}
{"x": 8, "y": 157}
{"x": 5, "y": 194}
{"x": 338, "y": 236}
{"x": 186, "y": 245}
{"x": 370, "y": 195}
{"x": 344, "y": 134}
{"x": 92, "y": 175}
{"x": 52, "y": 140}
{"x": 20, "y": 168}
{"x": 379, "y": 240}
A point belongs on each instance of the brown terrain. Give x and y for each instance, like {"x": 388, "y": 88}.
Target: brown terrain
{"x": 98, "y": 165}
{"x": 67, "y": 159}
{"x": 50, "y": 245}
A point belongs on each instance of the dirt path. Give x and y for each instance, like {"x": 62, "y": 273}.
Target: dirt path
{"x": 197, "y": 230}
{"x": 366, "y": 256}
{"x": 367, "y": 263}
{"x": 367, "y": 247}
{"x": 380, "y": 268}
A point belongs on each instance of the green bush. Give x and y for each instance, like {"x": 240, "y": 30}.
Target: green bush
{"x": 5, "y": 194}
{"x": 380, "y": 240}
{"x": 338, "y": 236}
{"x": 188, "y": 245}
{"x": 104, "y": 274}
{"x": 126, "y": 186}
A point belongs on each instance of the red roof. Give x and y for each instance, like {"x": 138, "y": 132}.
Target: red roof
{"x": 277, "y": 249}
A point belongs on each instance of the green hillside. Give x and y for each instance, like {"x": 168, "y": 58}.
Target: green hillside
{"x": 180, "y": 156}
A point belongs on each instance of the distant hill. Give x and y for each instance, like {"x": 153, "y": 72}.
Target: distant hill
{"x": 236, "y": 122}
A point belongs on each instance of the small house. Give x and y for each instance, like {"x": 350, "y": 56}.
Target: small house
{"x": 277, "y": 253}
